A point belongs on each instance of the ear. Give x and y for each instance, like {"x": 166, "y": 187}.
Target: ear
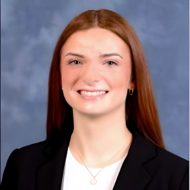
{"x": 132, "y": 82}
{"x": 132, "y": 85}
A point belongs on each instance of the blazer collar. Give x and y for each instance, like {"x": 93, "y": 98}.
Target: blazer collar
{"x": 133, "y": 174}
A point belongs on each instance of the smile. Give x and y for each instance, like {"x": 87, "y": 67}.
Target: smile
{"x": 92, "y": 95}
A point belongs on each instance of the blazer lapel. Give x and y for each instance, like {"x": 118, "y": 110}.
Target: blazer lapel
{"x": 133, "y": 175}
{"x": 50, "y": 173}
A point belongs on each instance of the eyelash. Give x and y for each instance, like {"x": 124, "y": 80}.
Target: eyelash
{"x": 80, "y": 62}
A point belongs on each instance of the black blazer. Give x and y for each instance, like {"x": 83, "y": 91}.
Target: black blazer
{"x": 147, "y": 167}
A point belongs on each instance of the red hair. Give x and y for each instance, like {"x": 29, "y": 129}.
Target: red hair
{"x": 140, "y": 107}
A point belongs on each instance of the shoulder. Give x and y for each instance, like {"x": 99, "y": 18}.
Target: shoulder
{"x": 169, "y": 158}
{"x": 164, "y": 167}
{"x": 159, "y": 155}
{"x": 164, "y": 159}
{"x": 31, "y": 150}
{"x": 34, "y": 154}
{"x": 22, "y": 160}
{"x": 170, "y": 163}
{"x": 22, "y": 157}
{"x": 168, "y": 168}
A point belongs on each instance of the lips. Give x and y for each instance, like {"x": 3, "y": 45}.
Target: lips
{"x": 91, "y": 95}
{"x": 79, "y": 91}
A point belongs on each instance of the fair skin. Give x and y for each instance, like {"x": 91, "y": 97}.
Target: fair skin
{"x": 100, "y": 129}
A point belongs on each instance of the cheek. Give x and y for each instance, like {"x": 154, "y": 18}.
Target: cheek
{"x": 120, "y": 86}
{"x": 66, "y": 78}
{"x": 120, "y": 80}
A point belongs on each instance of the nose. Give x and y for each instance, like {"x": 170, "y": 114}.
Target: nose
{"x": 90, "y": 82}
{"x": 91, "y": 73}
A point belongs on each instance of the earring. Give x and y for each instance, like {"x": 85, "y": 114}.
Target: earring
{"x": 131, "y": 92}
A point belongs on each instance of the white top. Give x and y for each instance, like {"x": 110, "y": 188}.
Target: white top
{"x": 76, "y": 176}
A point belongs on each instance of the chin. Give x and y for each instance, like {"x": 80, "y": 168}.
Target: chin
{"x": 90, "y": 113}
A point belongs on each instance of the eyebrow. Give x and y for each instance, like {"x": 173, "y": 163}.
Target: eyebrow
{"x": 102, "y": 55}
{"x": 111, "y": 54}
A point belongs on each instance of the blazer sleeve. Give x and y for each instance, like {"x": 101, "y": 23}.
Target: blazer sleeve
{"x": 9, "y": 174}
{"x": 185, "y": 181}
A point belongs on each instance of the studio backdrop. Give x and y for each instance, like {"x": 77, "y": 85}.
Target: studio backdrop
{"x": 29, "y": 32}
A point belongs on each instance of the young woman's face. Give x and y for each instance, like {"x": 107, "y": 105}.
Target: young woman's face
{"x": 95, "y": 60}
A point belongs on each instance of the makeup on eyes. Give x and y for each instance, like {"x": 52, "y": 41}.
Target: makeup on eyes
{"x": 106, "y": 62}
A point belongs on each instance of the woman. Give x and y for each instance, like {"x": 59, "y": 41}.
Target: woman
{"x": 103, "y": 130}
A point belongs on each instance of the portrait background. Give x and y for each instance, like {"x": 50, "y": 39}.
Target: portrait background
{"x": 29, "y": 32}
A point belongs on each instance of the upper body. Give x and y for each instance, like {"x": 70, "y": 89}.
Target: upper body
{"x": 146, "y": 167}
{"x": 99, "y": 81}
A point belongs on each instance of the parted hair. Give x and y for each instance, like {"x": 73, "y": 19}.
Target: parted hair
{"x": 140, "y": 108}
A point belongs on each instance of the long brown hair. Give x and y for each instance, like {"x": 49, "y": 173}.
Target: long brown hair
{"x": 140, "y": 107}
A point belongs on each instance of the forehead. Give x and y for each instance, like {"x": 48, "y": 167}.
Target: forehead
{"x": 95, "y": 40}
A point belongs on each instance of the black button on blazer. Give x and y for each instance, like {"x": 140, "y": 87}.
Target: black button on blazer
{"x": 147, "y": 167}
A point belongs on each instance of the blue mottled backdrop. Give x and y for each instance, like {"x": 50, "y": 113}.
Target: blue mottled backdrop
{"x": 29, "y": 31}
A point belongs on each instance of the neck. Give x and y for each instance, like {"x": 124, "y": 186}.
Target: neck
{"x": 99, "y": 138}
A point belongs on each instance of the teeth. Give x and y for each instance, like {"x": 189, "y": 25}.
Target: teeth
{"x": 92, "y": 93}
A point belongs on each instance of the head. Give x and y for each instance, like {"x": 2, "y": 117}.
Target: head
{"x": 110, "y": 57}
{"x": 96, "y": 59}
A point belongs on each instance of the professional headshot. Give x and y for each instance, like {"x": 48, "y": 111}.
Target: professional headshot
{"x": 105, "y": 124}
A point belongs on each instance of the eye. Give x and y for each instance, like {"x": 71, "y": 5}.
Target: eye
{"x": 76, "y": 62}
{"x": 111, "y": 63}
